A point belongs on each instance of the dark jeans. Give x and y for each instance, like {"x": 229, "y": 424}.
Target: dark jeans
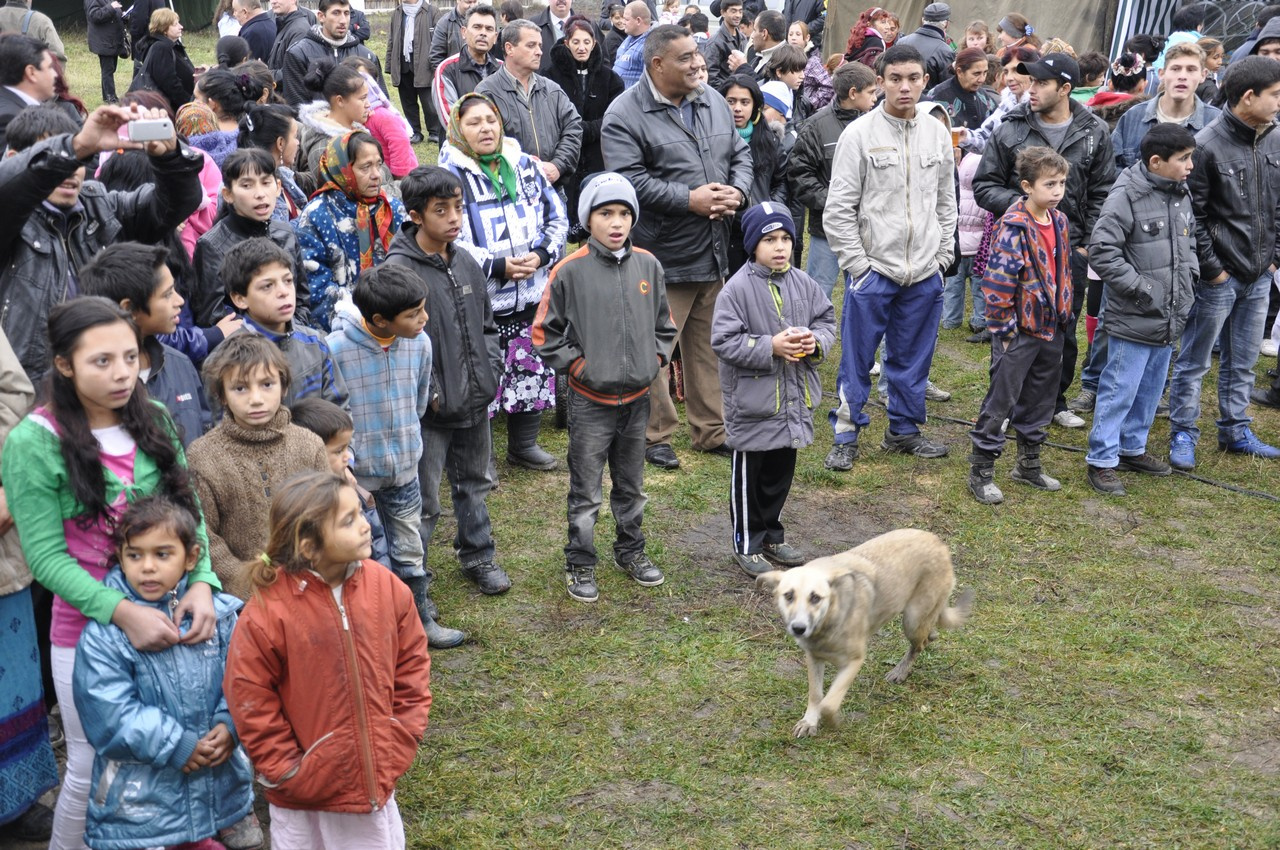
{"x": 759, "y": 488}
{"x": 411, "y": 95}
{"x": 600, "y": 433}
{"x": 108, "y": 65}
{"x": 464, "y": 454}
{"x": 1022, "y": 385}
{"x": 1070, "y": 348}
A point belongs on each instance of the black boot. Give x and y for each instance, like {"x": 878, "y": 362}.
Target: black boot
{"x": 522, "y": 442}
{"x": 981, "y": 468}
{"x": 1028, "y": 470}
{"x": 438, "y": 637}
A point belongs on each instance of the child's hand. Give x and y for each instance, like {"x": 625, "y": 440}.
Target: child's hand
{"x": 787, "y": 346}
{"x": 219, "y": 744}
{"x": 229, "y": 324}
{"x": 808, "y": 342}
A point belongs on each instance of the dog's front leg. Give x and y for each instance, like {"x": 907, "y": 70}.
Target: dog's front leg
{"x": 808, "y": 725}
{"x": 830, "y": 708}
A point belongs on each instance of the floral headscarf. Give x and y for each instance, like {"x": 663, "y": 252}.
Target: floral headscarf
{"x": 195, "y": 119}
{"x": 503, "y": 177}
{"x": 373, "y": 215}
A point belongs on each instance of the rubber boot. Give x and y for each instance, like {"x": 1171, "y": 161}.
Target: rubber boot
{"x": 522, "y": 442}
{"x": 1027, "y": 470}
{"x": 438, "y": 637}
{"x": 981, "y": 468}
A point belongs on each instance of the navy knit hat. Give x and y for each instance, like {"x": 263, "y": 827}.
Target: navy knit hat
{"x": 765, "y": 218}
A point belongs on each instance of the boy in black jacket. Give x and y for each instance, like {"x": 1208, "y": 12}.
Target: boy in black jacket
{"x": 604, "y": 321}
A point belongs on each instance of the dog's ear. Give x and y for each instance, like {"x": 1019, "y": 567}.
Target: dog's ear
{"x": 844, "y": 582}
{"x": 768, "y": 582}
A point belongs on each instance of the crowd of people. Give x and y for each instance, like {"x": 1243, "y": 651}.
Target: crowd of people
{"x": 247, "y": 333}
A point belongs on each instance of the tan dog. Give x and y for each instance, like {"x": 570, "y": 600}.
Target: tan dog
{"x": 832, "y": 606}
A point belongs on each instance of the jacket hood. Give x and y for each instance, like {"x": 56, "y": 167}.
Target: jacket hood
{"x": 315, "y": 35}
{"x": 1270, "y": 31}
{"x": 1019, "y": 216}
{"x": 405, "y": 244}
{"x": 937, "y": 110}
{"x": 510, "y": 152}
{"x": 1144, "y": 182}
{"x": 316, "y": 116}
{"x": 563, "y": 61}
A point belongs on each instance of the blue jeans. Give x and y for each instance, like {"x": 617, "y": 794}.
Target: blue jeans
{"x": 1232, "y": 312}
{"x": 464, "y": 454}
{"x": 400, "y": 509}
{"x": 906, "y": 318}
{"x": 1129, "y": 390}
{"x": 600, "y": 433}
{"x": 823, "y": 266}
{"x": 953, "y": 298}
{"x": 1096, "y": 358}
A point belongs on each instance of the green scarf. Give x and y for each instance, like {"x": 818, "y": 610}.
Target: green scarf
{"x": 503, "y": 177}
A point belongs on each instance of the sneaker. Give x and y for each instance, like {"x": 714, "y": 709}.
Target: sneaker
{"x": 753, "y": 564}
{"x": 1182, "y": 451}
{"x": 1084, "y": 402}
{"x": 1106, "y": 481}
{"x": 245, "y": 834}
{"x": 913, "y": 444}
{"x": 883, "y": 396}
{"x": 1144, "y": 463}
{"x": 1249, "y": 444}
{"x": 933, "y": 392}
{"x": 783, "y": 554}
{"x": 1067, "y": 419}
{"x": 643, "y": 571}
{"x": 979, "y": 337}
{"x": 875, "y": 370}
{"x": 662, "y": 456}
{"x": 841, "y": 457}
{"x": 488, "y": 577}
{"x": 1264, "y": 398}
{"x": 1269, "y": 348}
{"x": 582, "y": 583}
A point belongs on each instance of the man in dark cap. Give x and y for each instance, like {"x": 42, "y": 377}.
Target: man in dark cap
{"x": 931, "y": 41}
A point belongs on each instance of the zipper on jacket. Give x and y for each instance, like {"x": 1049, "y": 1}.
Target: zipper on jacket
{"x": 906, "y": 141}
{"x": 362, "y": 720}
{"x": 455, "y": 292}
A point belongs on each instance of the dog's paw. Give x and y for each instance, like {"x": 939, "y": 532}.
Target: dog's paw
{"x": 831, "y": 716}
{"x": 897, "y": 675}
{"x": 806, "y": 728}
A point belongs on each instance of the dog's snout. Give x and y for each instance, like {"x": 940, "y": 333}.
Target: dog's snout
{"x": 798, "y": 628}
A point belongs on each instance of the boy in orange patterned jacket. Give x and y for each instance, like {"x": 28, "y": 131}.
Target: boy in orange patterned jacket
{"x": 1027, "y": 292}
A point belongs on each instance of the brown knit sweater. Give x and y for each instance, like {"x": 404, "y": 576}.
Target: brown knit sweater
{"x": 235, "y": 470}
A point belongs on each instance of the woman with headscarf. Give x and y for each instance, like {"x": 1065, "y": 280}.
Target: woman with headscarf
{"x": 515, "y": 227}
{"x": 348, "y": 224}
{"x": 577, "y": 66}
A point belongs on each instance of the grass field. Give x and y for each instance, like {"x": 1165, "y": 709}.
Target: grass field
{"x": 1117, "y": 686}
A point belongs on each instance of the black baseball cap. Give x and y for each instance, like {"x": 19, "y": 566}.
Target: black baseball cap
{"x": 1052, "y": 66}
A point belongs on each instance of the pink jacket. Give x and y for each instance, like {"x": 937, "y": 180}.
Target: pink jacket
{"x": 387, "y": 127}
{"x": 199, "y": 222}
{"x": 970, "y": 216}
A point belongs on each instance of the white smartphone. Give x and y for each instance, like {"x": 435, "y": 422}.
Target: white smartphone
{"x": 150, "y": 130}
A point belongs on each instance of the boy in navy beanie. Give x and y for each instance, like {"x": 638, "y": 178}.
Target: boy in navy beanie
{"x": 773, "y": 324}
{"x": 604, "y": 322}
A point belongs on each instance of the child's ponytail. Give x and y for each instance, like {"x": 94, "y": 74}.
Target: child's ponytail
{"x": 299, "y": 511}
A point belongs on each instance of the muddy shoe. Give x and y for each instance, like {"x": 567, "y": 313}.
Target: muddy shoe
{"x": 1145, "y": 463}
{"x": 783, "y": 554}
{"x": 441, "y": 637}
{"x": 488, "y": 577}
{"x": 245, "y": 834}
{"x": 642, "y": 571}
{"x": 982, "y": 486}
{"x": 912, "y": 444}
{"x": 1106, "y": 481}
{"x": 582, "y": 583}
{"x": 753, "y": 564}
{"x": 841, "y": 457}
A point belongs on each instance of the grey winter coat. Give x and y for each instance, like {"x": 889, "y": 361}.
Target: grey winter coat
{"x": 647, "y": 142}
{"x": 424, "y": 30}
{"x": 467, "y": 358}
{"x": 936, "y": 50}
{"x": 769, "y": 402}
{"x": 289, "y": 28}
{"x": 446, "y": 40}
{"x": 38, "y": 258}
{"x": 1144, "y": 249}
{"x": 546, "y": 125}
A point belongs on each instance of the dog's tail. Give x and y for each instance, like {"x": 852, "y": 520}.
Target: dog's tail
{"x": 955, "y": 616}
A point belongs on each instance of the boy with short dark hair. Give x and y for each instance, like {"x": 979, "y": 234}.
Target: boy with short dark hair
{"x": 153, "y": 300}
{"x": 773, "y": 325}
{"x": 260, "y": 283}
{"x": 1143, "y": 248}
{"x": 604, "y": 322}
{"x": 248, "y": 455}
{"x": 385, "y": 359}
{"x": 250, "y": 188}
{"x": 466, "y": 361}
{"x": 1027, "y": 293}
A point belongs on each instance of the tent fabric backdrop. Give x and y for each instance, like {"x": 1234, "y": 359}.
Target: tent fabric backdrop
{"x": 1084, "y": 24}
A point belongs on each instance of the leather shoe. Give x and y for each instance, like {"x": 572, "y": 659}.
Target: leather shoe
{"x": 416, "y": 139}
{"x": 488, "y": 577}
{"x": 722, "y": 450}
{"x": 1266, "y": 398}
{"x": 662, "y": 456}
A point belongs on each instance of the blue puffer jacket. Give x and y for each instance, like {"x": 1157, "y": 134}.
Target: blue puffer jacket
{"x": 144, "y": 712}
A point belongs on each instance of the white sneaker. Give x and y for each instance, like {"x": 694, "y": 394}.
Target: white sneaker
{"x": 1269, "y": 348}
{"x": 875, "y": 369}
{"x": 1067, "y": 419}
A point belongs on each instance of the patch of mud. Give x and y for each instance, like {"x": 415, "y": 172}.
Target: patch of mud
{"x": 627, "y": 793}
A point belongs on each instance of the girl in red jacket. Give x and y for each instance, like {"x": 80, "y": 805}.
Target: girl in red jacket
{"x": 327, "y": 674}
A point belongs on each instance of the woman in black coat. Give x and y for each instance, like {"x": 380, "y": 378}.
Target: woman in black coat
{"x": 577, "y": 66}
{"x": 106, "y": 41}
{"x": 165, "y": 66}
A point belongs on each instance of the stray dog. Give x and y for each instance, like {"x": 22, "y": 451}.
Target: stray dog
{"x": 832, "y": 606}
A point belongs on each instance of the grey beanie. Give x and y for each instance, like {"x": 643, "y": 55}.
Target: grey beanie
{"x": 608, "y": 187}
